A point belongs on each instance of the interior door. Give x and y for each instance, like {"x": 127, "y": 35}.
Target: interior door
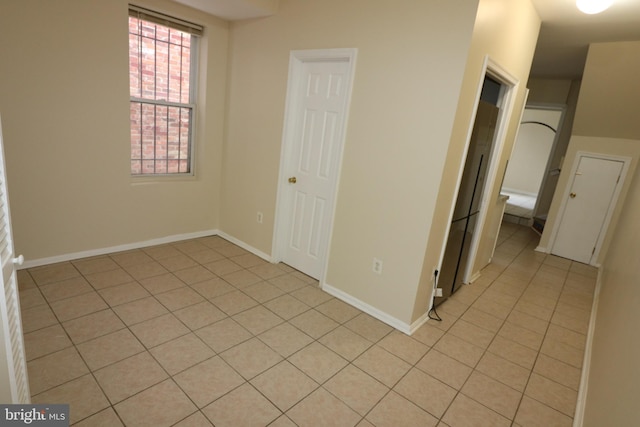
{"x": 314, "y": 163}
{"x": 589, "y": 201}
{"x": 14, "y": 382}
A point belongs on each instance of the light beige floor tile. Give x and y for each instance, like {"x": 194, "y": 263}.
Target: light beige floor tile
{"x": 552, "y": 394}
{"x": 396, "y": 411}
{"x": 311, "y": 296}
{"x": 159, "y": 330}
{"x": 163, "y": 283}
{"x": 189, "y": 246}
{"x": 181, "y": 353}
{"x": 92, "y": 326}
{"x": 161, "y": 251}
{"x": 139, "y": 310}
{"x": 566, "y": 336}
{"x": 242, "y": 278}
{"x": 368, "y": 327}
{"x": 65, "y": 289}
{"x": 446, "y": 322}
{"x": 121, "y": 294}
{"x": 318, "y": 362}
{"x": 223, "y": 334}
{"x": 473, "y": 334}
{"x": 563, "y": 352}
{"x": 78, "y": 306}
{"x": 283, "y": 421}
{"x": 54, "y": 369}
{"x": 267, "y": 271}
{"x": 313, "y": 323}
{"x": 484, "y": 320}
{"x": 453, "y": 307}
{"x": 194, "y": 274}
{"x": 580, "y": 325}
{"x": 161, "y": 405}
{"x": 428, "y": 334}
{"x": 95, "y": 265}
{"x": 465, "y": 412}
{"x": 558, "y": 371}
{"x": 521, "y": 335}
{"x": 257, "y": 319}
{"x": 263, "y": 291}
{"x": 532, "y": 413}
{"x": 459, "y": 349}
{"x": 234, "y": 302}
{"x": 133, "y": 257}
{"x": 493, "y": 394}
{"x": 104, "y": 418}
{"x": 382, "y": 365}
{"x": 346, "y": 343}
{"x": 244, "y": 406}
{"x": 251, "y": 358}
{"x": 109, "y": 278}
{"x": 492, "y": 308}
{"x": 25, "y": 281}
{"x": 403, "y": 346}
{"x": 230, "y": 250}
{"x": 179, "y": 298}
{"x": 38, "y": 317}
{"x": 540, "y": 312}
{"x": 199, "y": 315}
{"x": 249, "y": 260}
{"x": 208, "y": 380}
{"x": 286, "y": 306}
{"x": 321, "y": 408}
{"x": 284, "y": 385}
{"x": 425, "y": 391}
{"x": 337, "y": 310}
{"x": 222, "y": 267}
{"x": 53, "y": 273}
{"x": 500, "y": 298}
{"x": 285, "y": 339}
{"x": 30, "y": 298}
{"x": 509, "y": 373}
{"x": 129, "y": 376}
{"x": 445, "y": 368}
{"x": 514, "y": 352}
{"x": 288, "y": 282}
{"x": 45, "y": 341}
{"x": 206, "y": 256}
{"x": 146, "y": 270}
{"x": 109, "y": 349}
{"x": 195, "y": 420}
{"x": 212, "y": 288}
{"x": 357, "y": 389}
{"x": 83, "y": 395}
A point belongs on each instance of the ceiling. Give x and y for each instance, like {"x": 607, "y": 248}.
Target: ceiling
{"x": 565, "y": 33}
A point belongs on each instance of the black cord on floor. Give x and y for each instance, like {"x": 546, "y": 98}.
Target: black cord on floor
{"x": 433, "y": 308}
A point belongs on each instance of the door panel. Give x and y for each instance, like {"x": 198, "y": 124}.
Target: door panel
{"x": 586, "y": 209}
{"x": 315, "y": 156}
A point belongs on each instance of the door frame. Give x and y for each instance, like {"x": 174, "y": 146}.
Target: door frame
{"x": 510, "y": 85}
{"x": 614, "y": 199}
{"x": 297, "y": 59}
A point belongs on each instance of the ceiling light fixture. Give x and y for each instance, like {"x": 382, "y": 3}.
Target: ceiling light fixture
{"x": 591, "y": 7}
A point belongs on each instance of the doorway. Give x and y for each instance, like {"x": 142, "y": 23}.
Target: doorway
{"x": 318, "y": 96}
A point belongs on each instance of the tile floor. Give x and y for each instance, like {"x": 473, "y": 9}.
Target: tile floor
{"x": 202, "y": 333}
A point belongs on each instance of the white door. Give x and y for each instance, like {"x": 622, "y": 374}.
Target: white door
{"x": 13, "y": 366}
{"x": 587, "y": 207}
{"x": 312, "y": 167}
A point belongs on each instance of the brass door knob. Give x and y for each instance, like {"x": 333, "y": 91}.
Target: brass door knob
{"x": 572, "y": 195}
{"x": 292, "y": 180}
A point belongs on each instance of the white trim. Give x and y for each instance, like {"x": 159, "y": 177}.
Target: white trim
{"x": 296, "y": 61}
{"x": 119, "y": 248}
{"x": 369, "y": 309}
{"x": 626, "y": 162}
{"x": 245, "y": 246}
{"x": 578, "y": 417}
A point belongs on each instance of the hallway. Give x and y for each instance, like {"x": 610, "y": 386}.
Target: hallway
{"x": 201, "y": 333}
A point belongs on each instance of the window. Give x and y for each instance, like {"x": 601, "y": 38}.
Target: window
{"x": 162, "y": 58}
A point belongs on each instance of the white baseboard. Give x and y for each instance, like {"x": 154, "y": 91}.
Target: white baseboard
{"x": 245, "y": 246}
{"x": 119, "y": 248}
{"x": 542, "y": 249}
{"x": 578, "y": 417}
{"x": 363, "y": 306}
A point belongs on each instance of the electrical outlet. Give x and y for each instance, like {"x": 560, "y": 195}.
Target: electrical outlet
{"x": 377, "y": 266}
{"x": 439, "y": 292}
{"x": 259, "y": 217}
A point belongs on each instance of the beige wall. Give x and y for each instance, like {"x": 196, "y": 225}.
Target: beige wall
{"x": 507, "y": 31}
{"x": 614, "y": 377}
{"x": 64, "y": 103}
{"x": 599, "y": 124}
{"x": 407, "y": 80}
